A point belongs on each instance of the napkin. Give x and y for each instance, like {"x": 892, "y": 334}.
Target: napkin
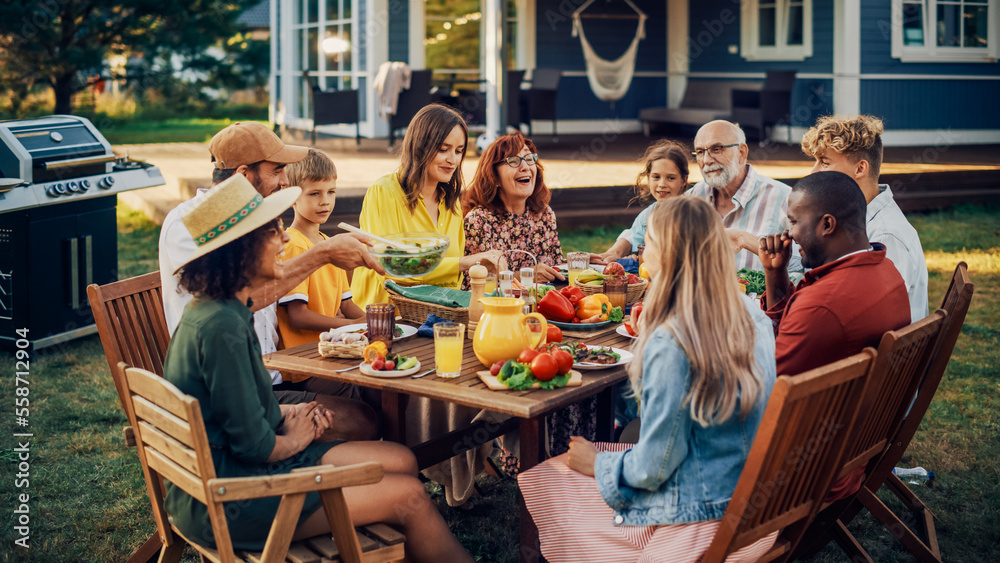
{"x": 432, "y": 294}
{"x": 427, "y": 329}
{"x": 631, "y": 265}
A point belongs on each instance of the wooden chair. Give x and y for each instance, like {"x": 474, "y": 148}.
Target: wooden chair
{"x": 903, "y": 356}
{"x": 955, "y": 305}
{"x": 173, "y": 445}
{"x": 794, "y": 457}
{"x": 130, "y": 322}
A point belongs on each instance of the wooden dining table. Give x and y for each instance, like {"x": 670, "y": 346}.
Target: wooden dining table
{"x": 527, "y": 409}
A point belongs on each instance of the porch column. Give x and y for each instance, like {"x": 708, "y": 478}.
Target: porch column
{"x": 493, "y": 20}
{"x": 846, "y": 56}
{"x": 678, "y": 63}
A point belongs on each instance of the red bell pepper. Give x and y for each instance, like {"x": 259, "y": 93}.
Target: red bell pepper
{"x": 556, "y": 307}
{"x": 573, "y": 293}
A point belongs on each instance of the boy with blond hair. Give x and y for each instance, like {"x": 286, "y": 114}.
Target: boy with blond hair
{"x": 853, "y": 145}
{"x": 323, "y": 300}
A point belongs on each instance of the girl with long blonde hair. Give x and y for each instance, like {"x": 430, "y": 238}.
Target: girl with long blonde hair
{"x": 703, "y": 371}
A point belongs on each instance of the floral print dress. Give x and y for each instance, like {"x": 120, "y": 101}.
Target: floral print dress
{"x": 489, "y": 230}
{"x": 537, "y": 234}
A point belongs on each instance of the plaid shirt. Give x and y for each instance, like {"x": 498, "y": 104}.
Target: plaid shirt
{"x": 761, "y": 208}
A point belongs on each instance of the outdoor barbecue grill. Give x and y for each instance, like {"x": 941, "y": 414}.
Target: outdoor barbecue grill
{"x": 58, "y": 229}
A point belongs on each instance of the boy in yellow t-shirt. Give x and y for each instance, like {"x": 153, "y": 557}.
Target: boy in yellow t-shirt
{"x": 323, "y": 300}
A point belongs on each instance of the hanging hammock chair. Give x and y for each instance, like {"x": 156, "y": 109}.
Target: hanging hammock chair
{"x": 609, "y": 80}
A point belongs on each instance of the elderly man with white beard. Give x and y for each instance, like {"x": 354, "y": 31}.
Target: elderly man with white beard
{"x": 751, "y": 205}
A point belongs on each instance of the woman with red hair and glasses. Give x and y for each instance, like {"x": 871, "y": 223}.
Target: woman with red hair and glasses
{"x": 507, "y": 208}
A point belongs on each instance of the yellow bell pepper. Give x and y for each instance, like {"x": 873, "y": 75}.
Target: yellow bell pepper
{"x": 593, "y": 308}
{"x": 643, "y": 272}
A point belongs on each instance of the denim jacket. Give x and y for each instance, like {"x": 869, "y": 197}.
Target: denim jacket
{"x": 680, "y": 472}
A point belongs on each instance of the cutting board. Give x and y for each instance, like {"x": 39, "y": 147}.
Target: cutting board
{"x": 491, "y": 381}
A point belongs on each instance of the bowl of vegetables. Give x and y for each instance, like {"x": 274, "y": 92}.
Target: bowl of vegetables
{"x": 422, "y": 253}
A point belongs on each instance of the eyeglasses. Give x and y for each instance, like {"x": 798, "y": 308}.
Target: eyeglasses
{"x": 515, "y": 161}
{"x": 714, "y": 150}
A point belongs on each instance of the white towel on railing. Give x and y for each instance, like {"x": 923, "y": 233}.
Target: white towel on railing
{"x": 392, "y": 78}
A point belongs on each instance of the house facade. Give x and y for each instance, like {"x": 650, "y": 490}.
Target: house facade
{"x": 928, "y": 68}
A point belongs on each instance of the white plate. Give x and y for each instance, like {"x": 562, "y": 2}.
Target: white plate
{"x": 367, "y": 370}
{"x": 564, "y": 268}
{"x": 408, "y": 330}
{"x": 624, "y": 331}
{"x": 626, "y": 357}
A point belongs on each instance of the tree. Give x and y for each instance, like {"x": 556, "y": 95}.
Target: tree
{"x": 64, "y": 44}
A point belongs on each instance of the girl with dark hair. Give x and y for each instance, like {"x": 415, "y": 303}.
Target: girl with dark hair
{"x": 664, "y": 174}
{"x": 507, "y": 208}
{"x": 421, "y": 196}
{"x": 215, "y": 357}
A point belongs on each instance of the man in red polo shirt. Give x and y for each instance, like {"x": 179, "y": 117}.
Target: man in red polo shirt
{"x": 851, "y": 296}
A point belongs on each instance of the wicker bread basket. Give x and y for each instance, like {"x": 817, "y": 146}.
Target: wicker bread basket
{"x": 634, "y": 295}
{"x": 416, "y": 312}
{"x": 341, "y": 350}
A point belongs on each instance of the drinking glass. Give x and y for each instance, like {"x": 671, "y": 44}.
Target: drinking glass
{"x": 617, "y": 290}
{"x": 381, "y": 318}
{"x": 577, "y": 262}
{"x": 491, "y": 285}
{"x": 449, "y": 339}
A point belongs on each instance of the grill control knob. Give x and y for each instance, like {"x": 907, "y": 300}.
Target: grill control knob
{"x": 84, "y": 185}
{"x": 73, "y": 187}
{"x": 51, "y": 191}
{"x": 106, "y": 182}
{"x": 59, "y": 189}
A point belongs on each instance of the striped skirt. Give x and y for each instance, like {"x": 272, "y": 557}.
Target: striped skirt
{"x": 575, "y": 524}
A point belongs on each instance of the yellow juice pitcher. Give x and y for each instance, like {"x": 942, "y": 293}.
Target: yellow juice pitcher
{"x": 503, "y": 330}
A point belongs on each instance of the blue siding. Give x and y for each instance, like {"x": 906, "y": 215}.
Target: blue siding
{"x": 876, "y": 48}
{"x": 557, "y": 48}
{"x": 932, "y": 104}
{"x": 709, "y": 38}
{"x": 399, "y": 30}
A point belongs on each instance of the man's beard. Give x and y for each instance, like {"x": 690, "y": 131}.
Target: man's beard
{"x": 728, "y": 173}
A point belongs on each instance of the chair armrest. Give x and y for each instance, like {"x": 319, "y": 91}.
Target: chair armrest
{"x": 745, "y": 98}
{"x": 304, "y": 480}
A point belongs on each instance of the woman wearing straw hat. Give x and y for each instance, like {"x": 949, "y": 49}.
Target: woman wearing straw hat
{"x": 215, "y": 357}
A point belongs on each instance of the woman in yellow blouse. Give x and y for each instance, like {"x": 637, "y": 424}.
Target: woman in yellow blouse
{"x": 422, "y": 195}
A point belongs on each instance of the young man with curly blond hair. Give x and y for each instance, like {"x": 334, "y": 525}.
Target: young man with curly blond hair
{"x": 853, "y": 145}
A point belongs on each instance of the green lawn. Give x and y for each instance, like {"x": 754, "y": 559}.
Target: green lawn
{"x": 162, "y": 131}
{"x": 88, "y": 500}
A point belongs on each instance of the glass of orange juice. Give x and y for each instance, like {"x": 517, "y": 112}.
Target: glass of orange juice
{"x": 576, "y": 262}
{"x": 449, "y": 340}
{"x": 491, "y": 284}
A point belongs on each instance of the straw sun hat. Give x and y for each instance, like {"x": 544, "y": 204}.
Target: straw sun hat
{"x": 230, "y": 210}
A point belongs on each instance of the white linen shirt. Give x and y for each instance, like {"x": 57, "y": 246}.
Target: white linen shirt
{"x": 176, "y": 246}
{"x": 886, "y": 224}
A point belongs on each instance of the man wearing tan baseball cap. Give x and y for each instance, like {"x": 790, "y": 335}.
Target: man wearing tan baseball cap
{"x": 252, "y": 150}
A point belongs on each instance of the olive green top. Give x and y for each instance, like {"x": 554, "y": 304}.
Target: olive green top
{"x": 215, "y": 357}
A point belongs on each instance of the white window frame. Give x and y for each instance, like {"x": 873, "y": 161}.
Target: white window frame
{"x": 929, "y": 52}
{"x": 322, "y": 74}
{"x": 751, "y": 49}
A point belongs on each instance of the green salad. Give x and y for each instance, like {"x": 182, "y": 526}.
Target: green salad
{"x": 754, "y": 278}
{"x": 405, "y": 264}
